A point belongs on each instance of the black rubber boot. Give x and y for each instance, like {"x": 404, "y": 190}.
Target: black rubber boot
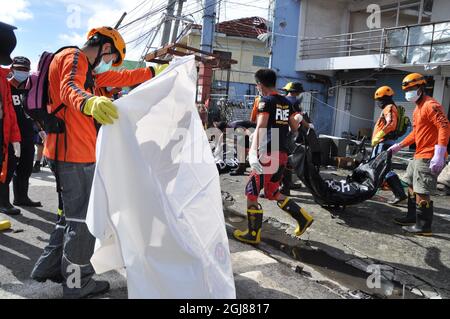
{"x": 424, "y": 219}
{"x": 240, "y": 170}
{"x": 286, "y": 183}
{"x": 20, "y": 187}
{"x": 410, "y": 218}
{"x": 37, "y": 167}
{"x": 302, "y": 217}
{"x": 5, "y": 205}
{"x": 252, "y": 235}
{"x": 396, "y": 186}
{"x": 93, "y": 288}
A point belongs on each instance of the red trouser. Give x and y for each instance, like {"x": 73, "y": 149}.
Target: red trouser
{"x": 270, "y": 179}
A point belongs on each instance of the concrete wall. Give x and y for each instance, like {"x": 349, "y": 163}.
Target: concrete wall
{"x": 242, "y": 50}
{"x": 441, "y": 10}
{"x": 358, "y": 20}
{"x": 362, "y": 107}
{"x": 287, "y": 30}
{"x": 285, "y": 40}
{"x": 323, "y": 17}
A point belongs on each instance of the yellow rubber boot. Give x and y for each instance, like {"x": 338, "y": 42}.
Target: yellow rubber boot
{"x": 252, "y": 235}
{"x": 302, "y": 217}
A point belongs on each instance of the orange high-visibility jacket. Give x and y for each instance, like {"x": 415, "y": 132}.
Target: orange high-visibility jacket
{"x": 72, "y": 83}
{"x": 387, "y": 121}
{"x": 430, "y": 128}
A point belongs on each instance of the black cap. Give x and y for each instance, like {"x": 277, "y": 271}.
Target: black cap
{"x": 8, "y": 41}
{"x": 295, "y": 87}
{"x": 21, "y": 61}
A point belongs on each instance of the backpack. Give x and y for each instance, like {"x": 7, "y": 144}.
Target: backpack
{"x": 37, "y": 98}
{"x": 403, "y": 122}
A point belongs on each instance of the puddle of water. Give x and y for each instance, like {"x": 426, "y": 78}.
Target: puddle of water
{"x": 348, "y": 276}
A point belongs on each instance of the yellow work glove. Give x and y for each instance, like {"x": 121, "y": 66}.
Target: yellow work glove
{"x": 159, "y": 68}
{"x": 101, "y": 109}
{"x": 376, "y": 140}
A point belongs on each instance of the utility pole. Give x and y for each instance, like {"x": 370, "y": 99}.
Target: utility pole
{"x": 209, "y": 19}
{"x": 177, "y": 20}
{"x": 205, "y": 70}
{"x": 168, "y": 22}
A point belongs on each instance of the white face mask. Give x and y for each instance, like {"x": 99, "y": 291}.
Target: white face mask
{"x": 412, "y": 96}
{"x": 103, "y": 67}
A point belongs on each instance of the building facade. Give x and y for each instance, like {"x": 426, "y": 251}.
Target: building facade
{"x": 237, "y": 39}
{"x": 342, "y": 50}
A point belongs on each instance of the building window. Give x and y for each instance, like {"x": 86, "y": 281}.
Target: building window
{"x": 260, "y": 61}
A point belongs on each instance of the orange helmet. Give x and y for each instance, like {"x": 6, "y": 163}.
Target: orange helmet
{"x": 413, "y": 79}
{"x": 383, "y": 91}
{"x": 117, "y": 39}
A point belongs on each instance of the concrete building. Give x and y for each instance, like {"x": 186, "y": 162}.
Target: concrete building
{"x": 237, "y": 39}
{"x": 343, "y": 50}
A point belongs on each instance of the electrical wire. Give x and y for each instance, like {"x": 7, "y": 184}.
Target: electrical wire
{"x": 342, "y": 111}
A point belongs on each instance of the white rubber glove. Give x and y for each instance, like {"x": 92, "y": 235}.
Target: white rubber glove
{"x": 16, "y": 146}
{"x": 255, "y": 164}
{"x": 299, "y": 118}
{"x": 43, "y": 135}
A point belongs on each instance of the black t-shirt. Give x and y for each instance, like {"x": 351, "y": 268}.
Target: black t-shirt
{"x": 23, "y": 120}
{"x": 280, "y": 110}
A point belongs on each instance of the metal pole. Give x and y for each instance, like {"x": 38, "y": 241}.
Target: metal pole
{"x": 168, "y": 22}
{"x": 271, "y": 27}
{"x": 228, "y": 82}
{"x": 209, "y": 18}
{"x": 407, "y": 45}
{"x": 420, "y": 12}
{"x": 432, "y": 42}
{"x": 177, "y": 21}
{"x": 205, "y": 77}
{"x": 120, "y": 21}
{"x": 151, "y": 40}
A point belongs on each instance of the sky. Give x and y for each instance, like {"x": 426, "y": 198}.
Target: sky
{"x": 47, "y": 25}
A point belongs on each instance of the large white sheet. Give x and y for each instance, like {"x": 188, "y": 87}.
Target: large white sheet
{"x": 155, "y": 205}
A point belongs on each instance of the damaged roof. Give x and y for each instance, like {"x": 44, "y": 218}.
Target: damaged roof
{"x": 249, "y": 27}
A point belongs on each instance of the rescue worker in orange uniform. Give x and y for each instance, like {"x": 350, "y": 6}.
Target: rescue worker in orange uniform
{"x": 74, "y": 76}
{"x": 384, "y": 136}
{"x": 430, "y": 133}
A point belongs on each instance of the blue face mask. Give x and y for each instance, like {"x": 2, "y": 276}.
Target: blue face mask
{"x": 20, "y": 76}
{"x": 103, "y": 67}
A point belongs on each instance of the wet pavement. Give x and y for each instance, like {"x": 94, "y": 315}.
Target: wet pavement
{"x": 351, "y": 247}
{"x": 356, "y": 253}
{"x": 258, "y": 274}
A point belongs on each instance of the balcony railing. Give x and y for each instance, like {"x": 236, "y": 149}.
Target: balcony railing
{"x": 415, "y": 44}
{"x": 348, "y": 44}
